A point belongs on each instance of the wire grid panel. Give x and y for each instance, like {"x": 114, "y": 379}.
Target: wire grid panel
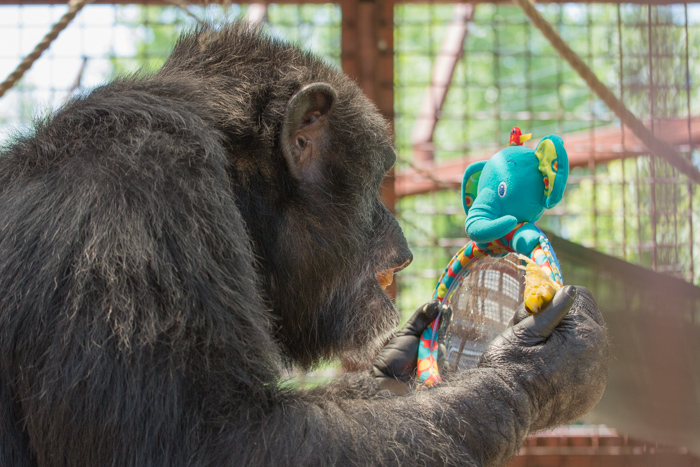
{"x": 619, "y": 200}
{"x": 105, "y": 41}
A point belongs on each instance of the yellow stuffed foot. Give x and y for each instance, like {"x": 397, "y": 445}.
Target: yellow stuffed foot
{"x": 539, "y": 288}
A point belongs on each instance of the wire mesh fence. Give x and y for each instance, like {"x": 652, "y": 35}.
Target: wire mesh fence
{"x": 503, "y": 73}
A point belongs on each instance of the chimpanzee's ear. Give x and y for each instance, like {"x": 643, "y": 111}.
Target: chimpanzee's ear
{"x": 303, "y": 123}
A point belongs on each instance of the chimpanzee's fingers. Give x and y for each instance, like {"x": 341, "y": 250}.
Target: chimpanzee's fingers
{"x": 520, "y": 314}
{"x": 445, "y": 320}
{"x": 421, "y": 319}
{"x": 537, "y": 328}
{"x": 398, "y": 359}
{"x": 533, "y": 330}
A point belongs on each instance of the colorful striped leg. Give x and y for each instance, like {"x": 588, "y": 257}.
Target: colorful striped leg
{"x": 428, "y": 374}
{"x": 543, "y": 256}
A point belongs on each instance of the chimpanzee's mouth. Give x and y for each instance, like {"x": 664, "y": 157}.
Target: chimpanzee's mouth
{"x": 386, "y": 276}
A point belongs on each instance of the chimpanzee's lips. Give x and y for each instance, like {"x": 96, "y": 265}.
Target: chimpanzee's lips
{"x": 386, "y": 276}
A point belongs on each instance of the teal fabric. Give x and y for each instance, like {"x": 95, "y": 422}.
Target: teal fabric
{"x": 526, "y": 239}
{"x": 515, "y": 185}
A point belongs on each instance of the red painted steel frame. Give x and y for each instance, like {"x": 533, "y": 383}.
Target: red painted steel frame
{"x": 367, "y": 55}
{"x": 579, "y": 146}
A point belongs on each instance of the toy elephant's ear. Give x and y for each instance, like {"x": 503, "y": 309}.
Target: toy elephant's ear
{"x": 554, "y": 166}
{"x": 470, "y": 183}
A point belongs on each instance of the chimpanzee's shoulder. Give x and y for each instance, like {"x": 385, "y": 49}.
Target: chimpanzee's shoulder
{"x": 130, "y": 107}
{"x": 126, "y": 128}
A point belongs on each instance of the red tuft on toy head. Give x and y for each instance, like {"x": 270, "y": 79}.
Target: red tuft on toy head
{"x": 517, "y": 138}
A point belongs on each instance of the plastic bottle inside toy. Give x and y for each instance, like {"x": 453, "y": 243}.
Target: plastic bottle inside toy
{"x": 482, "y": 304}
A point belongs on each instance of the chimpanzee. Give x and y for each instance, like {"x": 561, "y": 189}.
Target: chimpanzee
{"x": 170, "y": 242}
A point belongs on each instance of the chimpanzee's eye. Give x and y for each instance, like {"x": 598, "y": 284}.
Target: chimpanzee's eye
{"x": 502, "y": 189}
{"x": 301, "y": 142}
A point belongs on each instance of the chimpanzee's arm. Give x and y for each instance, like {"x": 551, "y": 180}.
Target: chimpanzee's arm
{"x": 481, "y": 417}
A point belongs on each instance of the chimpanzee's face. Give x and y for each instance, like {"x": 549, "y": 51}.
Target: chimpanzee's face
{"x": 343, "y": 245}
{"x": 308, "y": 153}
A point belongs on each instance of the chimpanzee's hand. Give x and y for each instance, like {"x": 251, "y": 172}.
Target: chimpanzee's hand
{"x": 395, "y": 366}
{"x": 558, "y": 357}
{"x": 530, "y": 330}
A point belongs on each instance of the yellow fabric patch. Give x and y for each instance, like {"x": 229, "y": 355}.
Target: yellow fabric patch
{"x": 539, "y": 287}
{"x": 423, "y": 365}
{"x": 442, "y": 290}
{"x": 546, "y": 153}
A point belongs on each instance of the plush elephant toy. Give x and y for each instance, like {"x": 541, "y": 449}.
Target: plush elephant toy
{"x": 514, "y": 186}
{"x": 502, "y": 198}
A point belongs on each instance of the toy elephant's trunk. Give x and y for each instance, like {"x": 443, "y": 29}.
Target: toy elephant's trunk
{"x": 484, "y": 221}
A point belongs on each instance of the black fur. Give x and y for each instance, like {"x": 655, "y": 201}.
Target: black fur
{"x": 159, "y": 264}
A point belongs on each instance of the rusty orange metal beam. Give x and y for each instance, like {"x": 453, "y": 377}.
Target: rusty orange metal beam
{"x": 597, "y": 445}
{"x": 605, "y": 146}
{"x": 612, "y": 443}
{"x": 443, "y": 70}
{"x": 367, "y": 56}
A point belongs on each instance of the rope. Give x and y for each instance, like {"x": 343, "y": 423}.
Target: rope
{"x": 656, "y": 146}
{"x": 73, "y": 8}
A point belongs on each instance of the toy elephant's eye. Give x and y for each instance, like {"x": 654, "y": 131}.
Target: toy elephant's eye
{"x": 502, "y": 189}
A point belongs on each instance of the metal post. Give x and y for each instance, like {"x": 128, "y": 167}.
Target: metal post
{"x": 690, "y": 149}
{"x": 652, "y": 168}
{"x": 367, "y": 55}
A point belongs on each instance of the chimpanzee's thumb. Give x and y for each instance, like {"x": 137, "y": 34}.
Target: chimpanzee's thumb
{"x": 535, "y": 329}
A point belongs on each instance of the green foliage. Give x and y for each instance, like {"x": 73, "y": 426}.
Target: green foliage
{"x": 155, "y": 29}
{"x": 314, "y": 27}
{"x": 153, "y": 34}
{"x": 434, "y": 227}
{"x": 24, "y": 103}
